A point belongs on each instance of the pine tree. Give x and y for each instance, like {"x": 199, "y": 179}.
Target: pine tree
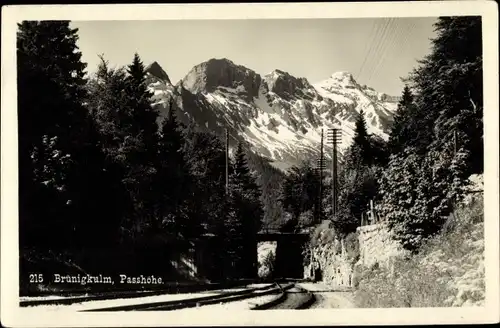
{"x": 449, "y": 87}
{"x": 359, "y": 186}
{"x": 205, "y": 157}
{"x": 208, "y": 204}
{"x": 440, "y": 136}
{"x": 361, "y": 134}
{"x": 402, "y": 133}
{"x": 420, "y": 191}
{"x": 120, "y": 104}
{"x": 140, "y": 147}
{"x": 379, "y": 151}
{"x": 235, "y": 245}
{"x": 173, "y": 182}
{"x": 246, "y": 198}
{"x": 242, "y": 177}
{"x": 108, "y": 105}
{"x": 360, "y": 153}
{"x": 300, "y": 192}
{"x": 143, "y": 117}
{"x": 61, "y": 164}
{"x": 269, "y": 179}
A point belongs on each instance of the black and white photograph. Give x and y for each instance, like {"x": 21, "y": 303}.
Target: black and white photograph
{"x": 236, "y": 166}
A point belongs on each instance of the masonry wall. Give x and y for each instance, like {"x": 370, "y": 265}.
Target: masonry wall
{"x": 335, "y": 266}
{"x": 376, "y": 245}
{"x": 338, "y": 268}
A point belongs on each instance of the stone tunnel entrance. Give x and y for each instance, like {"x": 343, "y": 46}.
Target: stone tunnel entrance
{"x": 287, "y": 249}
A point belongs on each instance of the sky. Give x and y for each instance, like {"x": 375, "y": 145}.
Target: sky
{"x": 377, "y": 51}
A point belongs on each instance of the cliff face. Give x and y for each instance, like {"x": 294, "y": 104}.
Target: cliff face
{"x": 215, "y": 73}
{"x": 157, "y": 71}
{"x": 277, "y": 115}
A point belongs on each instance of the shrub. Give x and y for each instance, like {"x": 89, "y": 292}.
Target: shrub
{"x": 324, "y": 233}
{"x": 418, "y": 191}
{"x": 448, "y": 270}
{"x": 306, "y": 219}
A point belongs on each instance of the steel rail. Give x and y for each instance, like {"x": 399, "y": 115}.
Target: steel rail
{"x": 194, "y": 302}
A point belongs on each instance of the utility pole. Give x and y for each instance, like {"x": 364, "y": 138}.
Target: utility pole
{"x": 227, "y": 161}
{"x": 334, "y": 137}
{"x": 321, "y": 167}
{"x": 319, "y": 171}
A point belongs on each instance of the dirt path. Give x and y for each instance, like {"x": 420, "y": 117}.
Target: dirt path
{"x": 328, "y": 297}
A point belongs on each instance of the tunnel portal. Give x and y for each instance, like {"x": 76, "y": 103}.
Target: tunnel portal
{"x": 289, "y": 262}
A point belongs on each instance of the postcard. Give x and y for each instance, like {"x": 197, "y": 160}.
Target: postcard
{"x": 250, "y": 164}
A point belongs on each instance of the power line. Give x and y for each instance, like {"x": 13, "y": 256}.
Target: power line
{"x": 395, "y": 33}
{"x": 373, "y": 42}
{"x": 370, "y": 49}
{"x": 412, "y": 29}
{"x": 378, "y": 42}
{"x": 406, "y": 36}
{"x": 381, "y": 42}
{"x": 375, "y": 28}
{"x": 399, "y": 31}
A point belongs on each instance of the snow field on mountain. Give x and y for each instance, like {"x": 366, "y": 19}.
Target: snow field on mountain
{"x": 279, "y": 115}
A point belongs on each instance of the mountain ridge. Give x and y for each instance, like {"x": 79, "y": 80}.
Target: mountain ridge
{"x": 279, "y": 116}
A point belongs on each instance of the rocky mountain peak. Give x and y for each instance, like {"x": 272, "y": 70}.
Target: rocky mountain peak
{"x": 284, "y": 84}
{"x": 215, "y": 73}
{"x": 280, "y": 116}
{"x": 344, "y": 79}
{"x": 157, "y": 71}
{"x": 342, "y": 76}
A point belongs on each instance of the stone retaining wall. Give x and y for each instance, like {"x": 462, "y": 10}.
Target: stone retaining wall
{"x": 337, "y": 268}
{"x": 376, "y": 245}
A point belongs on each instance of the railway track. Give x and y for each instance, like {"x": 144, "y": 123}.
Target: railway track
{"x": 288, "y": 296}
{"x": 198, "y": 301}
{"x": 100, "y": 296}
{"x": 293, "y": 298}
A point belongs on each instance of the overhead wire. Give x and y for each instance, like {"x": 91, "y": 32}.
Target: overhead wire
{"x": 394, "y": 35}
{"x": 375, "y": 49}
{"x": 373, "y": 40}
{"x": 409, "y": 35}
{"x": 381, "y": 43}
{"x": 406, "y": 37}
{"x": 368, "y": 45}
{"x": 392, "y": 40}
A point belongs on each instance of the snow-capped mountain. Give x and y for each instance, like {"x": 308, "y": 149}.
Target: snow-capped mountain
{"x": 278, "y": 115}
